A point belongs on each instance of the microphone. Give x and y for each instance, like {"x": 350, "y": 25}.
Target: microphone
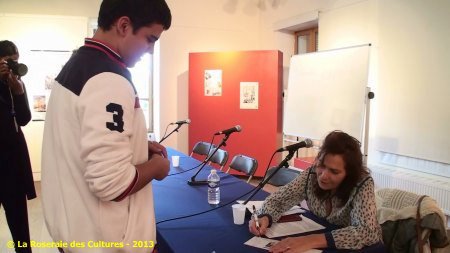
{"x": 181, "y": 122}
{"x": 236, "y": 128}
{"x": 307, "y": 143}
{"x": 291, "y": 148}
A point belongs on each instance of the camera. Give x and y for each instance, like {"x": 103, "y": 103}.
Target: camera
{"x": 19, "y": 69}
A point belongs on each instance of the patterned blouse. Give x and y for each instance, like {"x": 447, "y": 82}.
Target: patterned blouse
{"x": 357, "y": 216}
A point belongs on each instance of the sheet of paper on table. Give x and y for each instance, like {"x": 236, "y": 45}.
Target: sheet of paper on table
{"x": 295, "y": 227}
{"x": 260, "y": 242}
{"x": 265, "y": 243}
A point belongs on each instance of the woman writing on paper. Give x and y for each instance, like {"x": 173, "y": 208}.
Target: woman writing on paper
{"x": 337, "y": 188}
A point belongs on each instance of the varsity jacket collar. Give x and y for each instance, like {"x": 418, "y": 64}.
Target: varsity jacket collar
{"x": 99, "y": 45}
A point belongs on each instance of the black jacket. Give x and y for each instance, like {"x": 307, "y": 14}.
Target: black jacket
{"x": 15, "y": 165}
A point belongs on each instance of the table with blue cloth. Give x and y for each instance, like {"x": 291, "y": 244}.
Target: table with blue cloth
{"x": 212, "y": 231}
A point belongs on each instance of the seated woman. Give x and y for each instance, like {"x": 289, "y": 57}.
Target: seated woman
{"x": 337, "y": 188}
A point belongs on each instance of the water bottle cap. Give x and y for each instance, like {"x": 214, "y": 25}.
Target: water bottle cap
{"x": 213, "y": 171}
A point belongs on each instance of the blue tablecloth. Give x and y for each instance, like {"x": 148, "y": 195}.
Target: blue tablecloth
{"x": 208, "y": 232}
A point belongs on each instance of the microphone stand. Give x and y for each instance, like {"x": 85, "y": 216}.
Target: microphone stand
{"x": 203, "y": 182}
{"x": 283, "y": 163}
{"x": 175, "y": 130}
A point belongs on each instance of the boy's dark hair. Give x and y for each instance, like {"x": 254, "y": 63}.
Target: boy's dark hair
{"x": 340, "y": 143}
{"x": 141, "y": 13}
{"x": 7, "y": 48}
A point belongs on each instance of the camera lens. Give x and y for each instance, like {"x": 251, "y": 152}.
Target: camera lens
{"x": 19, "y": 69}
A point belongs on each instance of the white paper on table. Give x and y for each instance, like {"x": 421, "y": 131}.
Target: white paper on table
{"x": 260, "y": 242}
{"x": 258, "y": 205}
{"x": 313, "y": 251}
{"x": 264, "y": 243}
{"x": 295, "y": 227}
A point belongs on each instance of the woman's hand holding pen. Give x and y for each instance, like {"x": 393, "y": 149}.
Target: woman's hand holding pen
{"x": 263, "y": 224}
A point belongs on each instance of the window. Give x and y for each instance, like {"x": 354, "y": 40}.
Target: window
{"x": 306, "y": 41}
{"x": 141, "y": 75}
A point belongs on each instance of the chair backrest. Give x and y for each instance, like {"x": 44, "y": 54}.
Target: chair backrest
{"x": 220, "y": 157}
{"x": 244, "y": 164}
{"x": 282, "y": 177}
{"x": 410, "y": 220}
{"x": 202, "y": 148}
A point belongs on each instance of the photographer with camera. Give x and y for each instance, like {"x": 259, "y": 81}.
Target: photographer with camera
{"x": 16, "y": 178}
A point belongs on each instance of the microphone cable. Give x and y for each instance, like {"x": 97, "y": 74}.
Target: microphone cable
{"x": 207, "y": 211}
{"x": 195, "y": 167}
{"x": 165, "y": 132}
{"x": 268, "y": 165}
{"x": 220, "y": 206}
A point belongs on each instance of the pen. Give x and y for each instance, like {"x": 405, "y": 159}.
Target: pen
{"x": 256, "y": 218}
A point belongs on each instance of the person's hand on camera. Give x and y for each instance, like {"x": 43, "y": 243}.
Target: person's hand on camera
{"x": 4, "y": 69}
{"x": 14, "y": 83}
{"x": 263, "y": 224}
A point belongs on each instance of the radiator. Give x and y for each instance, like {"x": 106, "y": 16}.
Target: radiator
{"x": 412, "y": 181}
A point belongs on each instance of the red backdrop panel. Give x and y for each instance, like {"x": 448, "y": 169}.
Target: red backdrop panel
{"x": 261, "y": 128}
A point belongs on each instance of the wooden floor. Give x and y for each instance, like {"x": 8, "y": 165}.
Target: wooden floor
{"x": 38, "y": 229}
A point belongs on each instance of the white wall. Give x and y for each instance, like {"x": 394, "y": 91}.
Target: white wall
{"x": 410, "y": 113}
{"x": 350, "y": 25}
{"x": 40, "y": 32}
{"x": 219, "y": 25}
{"x": 224, "y": 25}
{"x": 62, "y": 25}
{"x": 414, "y": 79}
{"x": 199, "y": 26}
{"x": 86, "y": 8}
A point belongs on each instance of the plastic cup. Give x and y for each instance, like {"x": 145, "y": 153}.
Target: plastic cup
{"x": 238, "y": 214}
{"x": 175, "y": 161}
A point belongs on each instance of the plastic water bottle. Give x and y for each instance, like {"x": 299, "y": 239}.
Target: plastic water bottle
{"x": 213, "y": 188}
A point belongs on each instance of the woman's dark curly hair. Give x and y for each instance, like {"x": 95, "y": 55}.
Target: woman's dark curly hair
{"x": 340, "y": 143}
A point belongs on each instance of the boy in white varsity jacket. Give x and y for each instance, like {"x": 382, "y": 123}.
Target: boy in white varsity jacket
{"x": 97, "y": 165}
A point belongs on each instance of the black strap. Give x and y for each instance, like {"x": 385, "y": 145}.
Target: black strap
{"x": 358, "y": 187}
{"x": 307, "y": 182}
{"x": 420, "y": 241}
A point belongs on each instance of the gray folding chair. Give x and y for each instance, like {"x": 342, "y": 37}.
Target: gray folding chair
{"x": 282, "y": 177}
{"x": 244, "y": 164}
{"x": 220, "y": 158}
{"x": 202, "y": 148}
